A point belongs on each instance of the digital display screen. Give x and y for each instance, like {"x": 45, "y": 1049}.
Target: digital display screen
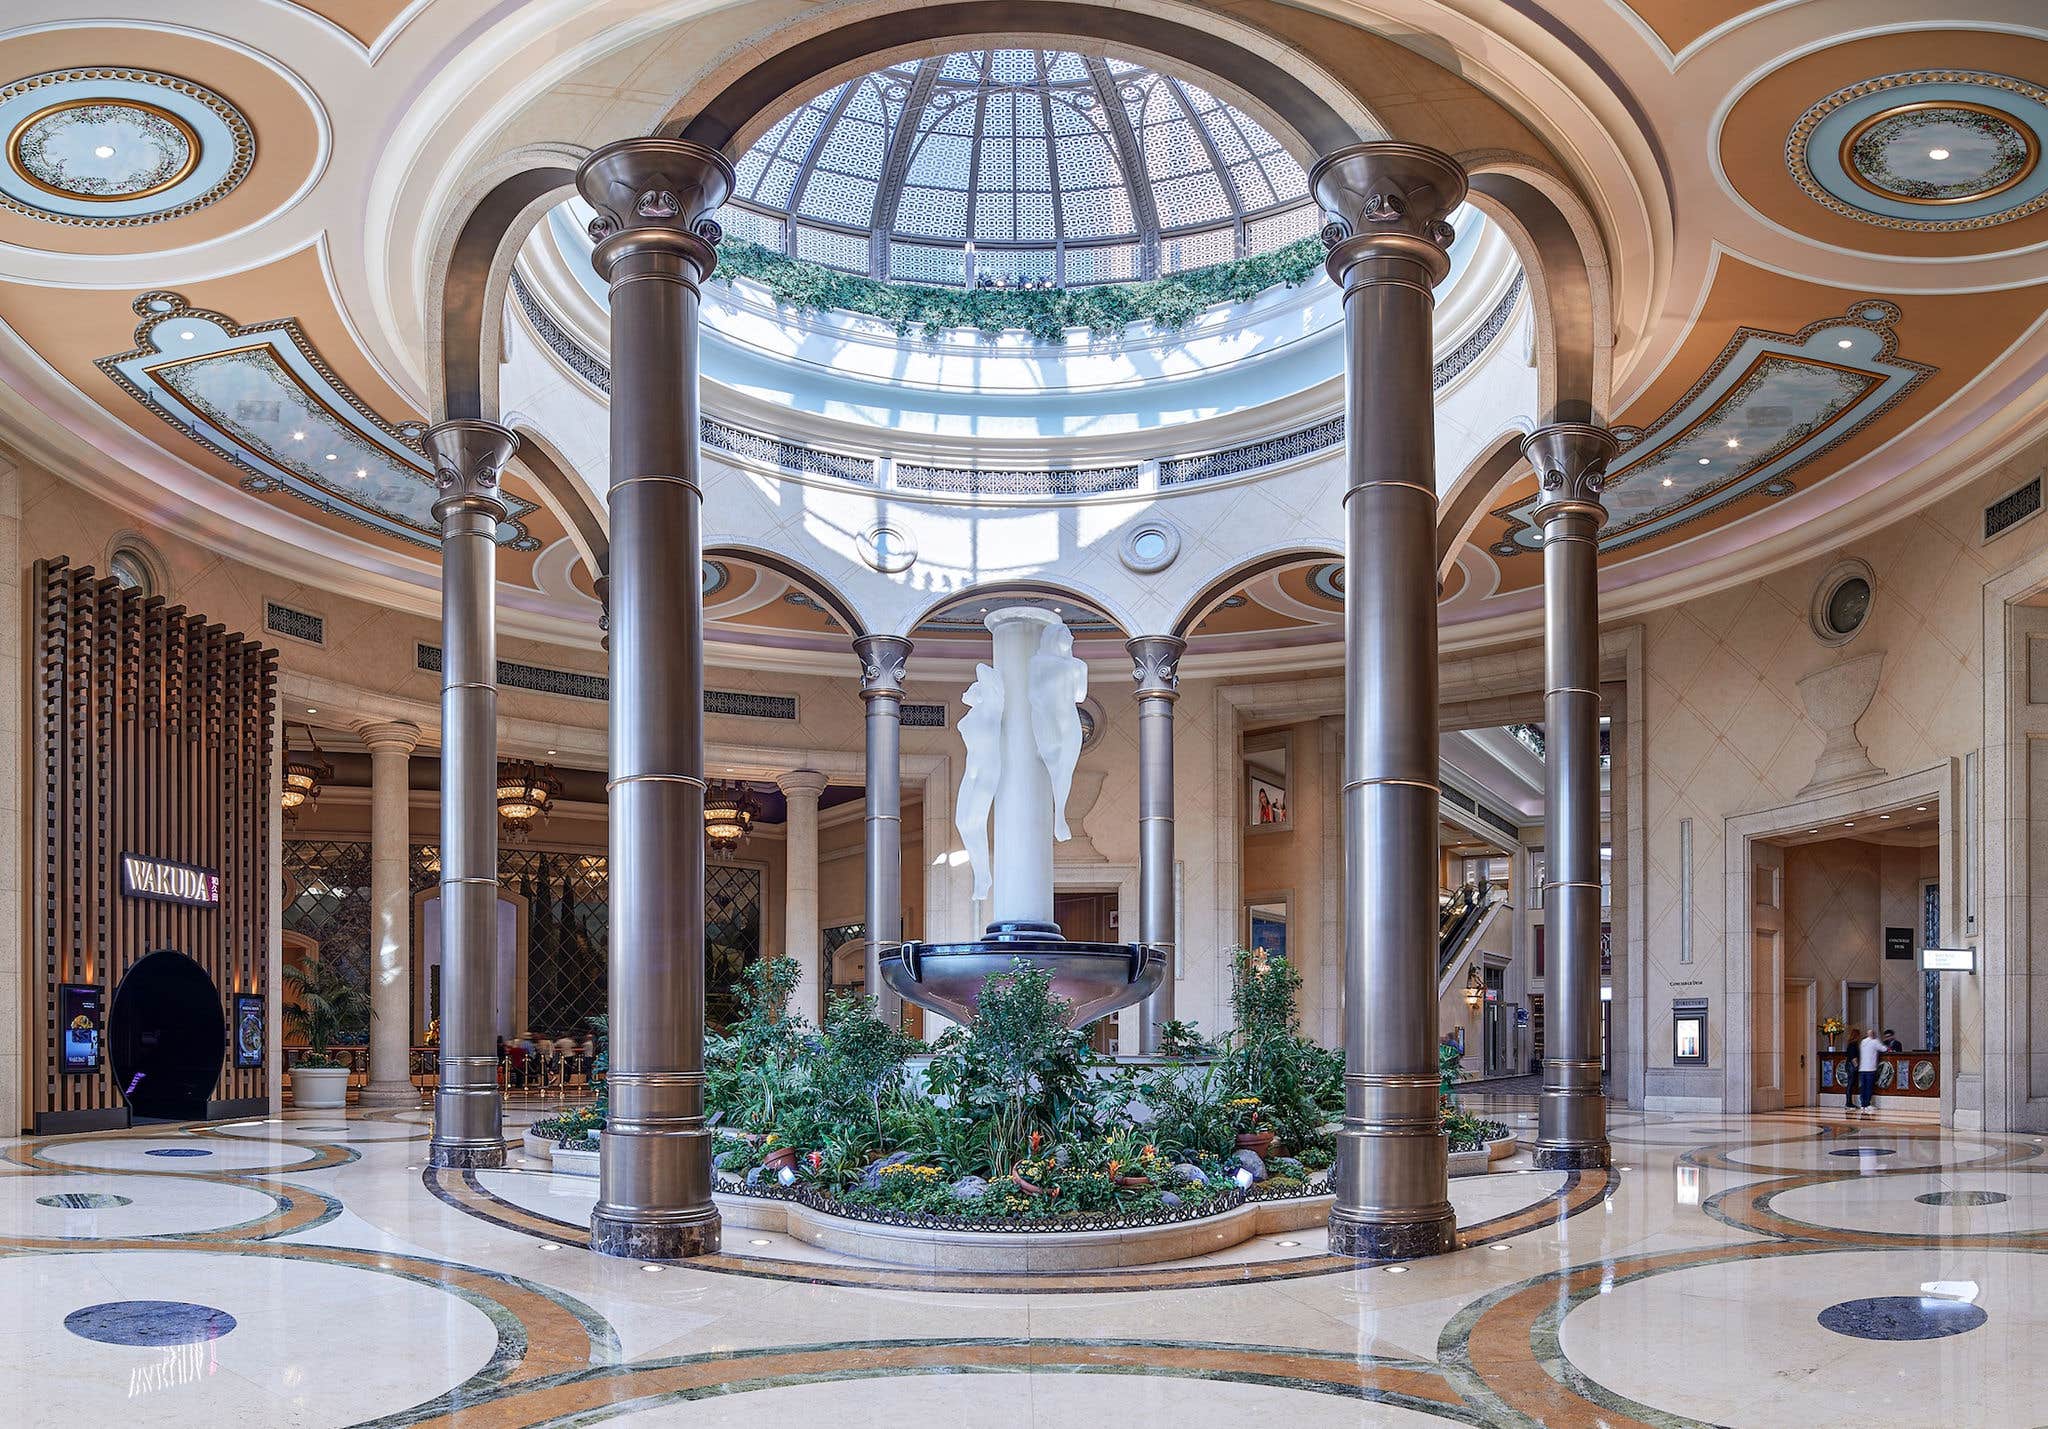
{"x": 78, "y": 1026}
{"x": 248, "y": 1030}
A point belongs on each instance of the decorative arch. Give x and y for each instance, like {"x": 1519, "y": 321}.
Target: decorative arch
{"x": 841, "y": 608}
{"x": 1250, "y": 570}
{"x": 1046, "y": 590}
{"x": 585, "y": 517}
{"x": 1460, "y": 510}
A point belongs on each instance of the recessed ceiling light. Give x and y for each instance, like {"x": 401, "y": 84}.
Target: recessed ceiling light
{"x": 651, "y": 1269}
{"x": 1288, "y": 1243}
{"x": 1884, "y": 816}
{"x": 332, "y": 457}
{"x": 757, "y": 1241}
{"x": 1919, "y": 808}
{"x": 1935, "y": 154}
{"x": 362, "y": 471}
{"x": 298, "y": 436}
{"x": 1706, "y": 461}
{"x": 1667, "y": 481}
{"x": 1734, "y": 442}
{"x": 106, "y": 151}
{"x": 1850, "y": 824}
{"x": 311, "y": 710}
{"x": 551, "y": 751}
{"x": 187, "y": 334}
{"x": 1844, "y": 342}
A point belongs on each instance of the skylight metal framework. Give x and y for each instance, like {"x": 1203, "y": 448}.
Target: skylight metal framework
{"x": 1021, "y": 165}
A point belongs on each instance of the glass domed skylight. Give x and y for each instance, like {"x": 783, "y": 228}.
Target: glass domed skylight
{"x": 1019, "y": 166}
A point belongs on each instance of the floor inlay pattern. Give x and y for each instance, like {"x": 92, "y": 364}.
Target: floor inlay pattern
{"x": 235, "y": 1286}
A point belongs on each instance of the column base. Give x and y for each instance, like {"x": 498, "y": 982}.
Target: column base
{"x": 467, "y": 1158}
{"x": 654, "y": 1240}
{"x": 389, "y": 1094}
{"x": 1576, "y": 1156}
{"x": 1392, "y": 1240}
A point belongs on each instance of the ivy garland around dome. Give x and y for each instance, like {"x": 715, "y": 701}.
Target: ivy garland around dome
{"x": 1169, "y": 304}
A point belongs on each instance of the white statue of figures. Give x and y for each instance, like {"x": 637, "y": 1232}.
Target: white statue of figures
{"x": 1059, "y": 682}
{"x": 981, "y": 730}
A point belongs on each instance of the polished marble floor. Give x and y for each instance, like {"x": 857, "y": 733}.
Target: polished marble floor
{"x": 306, "y": 1270}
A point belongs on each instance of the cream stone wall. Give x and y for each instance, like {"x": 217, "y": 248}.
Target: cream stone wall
{"x": 1840, "y": 895}
{"x": 1727, "y": 733}
{"x": 14, "y": 966}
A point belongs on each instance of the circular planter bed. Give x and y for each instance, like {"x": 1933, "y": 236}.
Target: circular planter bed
{"x": 1087, "y": 1243}
{"x": 1475, "y": 1161}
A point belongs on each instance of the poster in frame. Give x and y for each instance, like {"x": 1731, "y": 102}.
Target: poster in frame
{"x": 1265, "y": 802}
{"x": 78, "y": 1014}
{"x": 1268, "y": 931}
{"x": 248, "y": 1029}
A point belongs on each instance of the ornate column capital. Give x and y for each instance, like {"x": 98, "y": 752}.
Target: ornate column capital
{"x": 883, "y": 660}
{"x": 655, "y": 195}
{"x": 396, "y": 736}
{"x": 469, "y": 460}
{"x": 797, "y": 783}
{"x": 1155, "y": 665}
{"x": 1571, "y": 467}
{"x": 1388, "y": 200}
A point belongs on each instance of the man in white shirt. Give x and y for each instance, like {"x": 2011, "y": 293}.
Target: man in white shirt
{"x": 1867, "y": 1053}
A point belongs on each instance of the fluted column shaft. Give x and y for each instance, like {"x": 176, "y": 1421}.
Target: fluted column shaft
{"x": 883, "y": 660}
{"x": 391, "y": 745}
{"x": 1155, "y": 666}
{"x": 1570, "y": 459}
{"x": 469, "y": 459}
{"x": 800, "y": 931}
{"x": 654, "y": 246}
{"x": 1388, "y": 235}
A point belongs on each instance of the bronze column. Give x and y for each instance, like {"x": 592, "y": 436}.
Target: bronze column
{"x": 1570, "y": 459}
{"x": 469, "y": 458}
{"x": 883, "y": 659}
{"x": 654, "y": 246}
{"x": 1388, "y": 205}
{"x": 1155, "y": 666}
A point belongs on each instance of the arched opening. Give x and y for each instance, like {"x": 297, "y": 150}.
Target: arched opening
{"x": 166, "y": 1037}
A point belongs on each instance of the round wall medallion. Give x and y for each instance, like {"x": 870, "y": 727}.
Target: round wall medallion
{"x": 1841, "y": 602}
{"x": 1150, "y": 546}
{"x": 1931, "y": 151}
{"x": 887, "y": 549}
{"x": 111, "y": 148}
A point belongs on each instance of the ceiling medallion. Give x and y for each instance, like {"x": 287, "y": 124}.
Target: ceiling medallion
{"x": 115, "y": 148}
{"x": 1931, "y": 151}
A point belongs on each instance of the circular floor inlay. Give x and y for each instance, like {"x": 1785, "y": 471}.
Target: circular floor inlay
{"x": 95, "y": 1201}
{"x": 1963, "y": 1198}
{"x": 178, "y": 1151}
{"x": 1901, "y": 1317}
{"x": 1846, "y": 1151}
{"x": 149, "y": 1322}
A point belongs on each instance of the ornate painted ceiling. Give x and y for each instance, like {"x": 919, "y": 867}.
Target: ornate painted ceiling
{"x": 1825, "y": 227}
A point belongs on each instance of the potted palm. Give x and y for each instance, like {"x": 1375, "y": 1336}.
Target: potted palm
{"x": 322, "y": 1005}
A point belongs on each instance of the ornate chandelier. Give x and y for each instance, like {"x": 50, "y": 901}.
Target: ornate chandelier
{"x": 526, "y": 792}
{"x": 306, "y": 773}
{"x": 729, "y": 811}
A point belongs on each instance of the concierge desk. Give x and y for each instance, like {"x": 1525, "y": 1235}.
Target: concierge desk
{"x": 1899, "y": 1074}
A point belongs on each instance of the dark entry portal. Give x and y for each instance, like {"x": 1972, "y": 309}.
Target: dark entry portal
{"x": 166, "y": 1037}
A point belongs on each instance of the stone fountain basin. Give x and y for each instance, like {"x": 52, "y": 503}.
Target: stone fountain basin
{"x": 1097, "y": 978}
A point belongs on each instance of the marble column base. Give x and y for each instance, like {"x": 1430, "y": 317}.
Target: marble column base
{"x": 1393, "y": 1240}
{"x": 654, "y": 1240}
{"x": 467, "y": 1158}
{"x": 1574, "y": 1156}
{"x": 389, "y": 1094}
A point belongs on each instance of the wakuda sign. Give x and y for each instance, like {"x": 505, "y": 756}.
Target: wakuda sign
{"x": 169, "y": 882}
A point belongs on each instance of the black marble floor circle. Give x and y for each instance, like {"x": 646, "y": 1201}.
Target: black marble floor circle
{"x": 1963, "y": 1198}
{"x": 1902, "y": 1317}
{"x": 1863, "y": 1151}
{"x": 149, "y": 1322}
{"x": 83, "y": 1201}
{"x": 178, "y": 1151}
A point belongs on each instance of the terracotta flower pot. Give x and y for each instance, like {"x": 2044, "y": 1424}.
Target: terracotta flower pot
{"x": 780, "y": 1157}
{"x": 1259, "y": 1142}
{"x": 1134, "y": 1183}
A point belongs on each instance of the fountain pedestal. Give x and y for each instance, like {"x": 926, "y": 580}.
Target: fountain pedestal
{"x": 1014, "y": 767}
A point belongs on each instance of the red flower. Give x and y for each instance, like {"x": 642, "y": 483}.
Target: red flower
{"x": 817, "y": 1159}
{"x": 1037, "y": 1140}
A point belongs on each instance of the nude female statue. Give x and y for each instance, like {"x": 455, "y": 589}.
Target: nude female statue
{"x": 981, "y": 730}
{"x": 1059, "y": 682}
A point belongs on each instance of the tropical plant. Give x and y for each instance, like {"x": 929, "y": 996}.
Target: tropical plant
{"x": 1169, "y": 304}
{"x": 859, "y": 1059}
{"x": 324, "y": 1005}
{"x": 1179, "y": 1041}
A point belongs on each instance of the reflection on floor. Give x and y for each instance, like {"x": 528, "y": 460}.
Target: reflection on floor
{"x": 1771, "y": 1270}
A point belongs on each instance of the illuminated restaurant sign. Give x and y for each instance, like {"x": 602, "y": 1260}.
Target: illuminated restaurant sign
{"x": 169, "y": 882}
{"x": 1948, "y": 960}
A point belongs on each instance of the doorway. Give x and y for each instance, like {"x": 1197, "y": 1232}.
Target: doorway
{"x": 1089, "y": 918}
{"x": 1859, "y": 1005}
{"x": 166, "y": 1038}
{"x": 1802, "y": 1016}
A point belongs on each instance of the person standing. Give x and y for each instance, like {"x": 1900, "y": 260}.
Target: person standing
{"x": 1867, "y": 1053}
{"x": 1849, "y": 1064}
